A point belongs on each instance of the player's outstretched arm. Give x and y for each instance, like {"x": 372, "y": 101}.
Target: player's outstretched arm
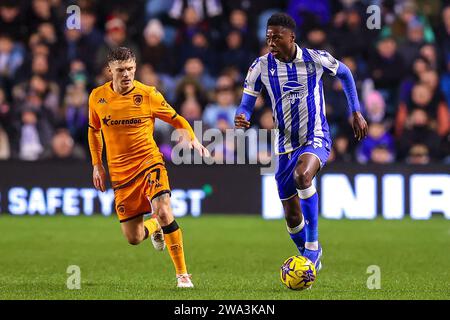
{"x": 182, "y": 124}
{"x": 244, "y": 112}
{"x": 358, "y": 122}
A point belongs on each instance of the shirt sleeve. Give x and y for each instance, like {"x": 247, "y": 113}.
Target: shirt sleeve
{"x": 94, "y": 136}
{"x": 252, "y": 83}
{"x": 161, "y": 109}
{"x": 94, "y": 120}
{"x": 326, "y": 60}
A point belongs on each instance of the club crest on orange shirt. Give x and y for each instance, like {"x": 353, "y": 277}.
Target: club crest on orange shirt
{"x": 137, "y": 98}
{"x": 121, "y": 209}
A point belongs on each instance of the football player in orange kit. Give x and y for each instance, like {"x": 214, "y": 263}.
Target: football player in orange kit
{"x": 124, "y": 110}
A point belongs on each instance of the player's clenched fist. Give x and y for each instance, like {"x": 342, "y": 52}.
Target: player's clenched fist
{"x": 99, "y": 177}
{"x": 240, "y": 122}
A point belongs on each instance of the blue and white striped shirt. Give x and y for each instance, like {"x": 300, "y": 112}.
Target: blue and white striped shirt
{"x": 296, "y": 93}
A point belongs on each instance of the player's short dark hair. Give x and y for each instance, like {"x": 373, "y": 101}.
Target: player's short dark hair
{"x": 283, "y": 20}
{"x": 121, "y": 54}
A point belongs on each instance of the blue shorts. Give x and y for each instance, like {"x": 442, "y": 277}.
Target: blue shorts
{"x": 288, "y": 161}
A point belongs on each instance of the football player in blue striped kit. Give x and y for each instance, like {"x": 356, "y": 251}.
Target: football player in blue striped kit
{"x": 292, "y": 77}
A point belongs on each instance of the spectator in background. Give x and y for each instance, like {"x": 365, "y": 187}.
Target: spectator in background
{"x": 41, "y": 11}
{"x": 316, "y": 38}
{"x": 78, "y": 74}
{"x": 5, "y": 126}
{"x": 239, "y": 21}
{"x": 116, "y": 36}
{"x": 197, "y": 16}
{"x": 11, "y": 56}
{"x": 429, "y": 52}
{"x": 131, "y": 13}
{"x": 341, "y": 148}
{"x": 5, "y": 151}
{"x": 63, "y": 147}
{"x": 418, "y": 131}
{"x": 195, "y": 69}
{"x": 387, "y": 70}
{"x": 76, "y": 113}
{"x": 154, "y": 51}
{"x": 190, "y": 89}
{"x": 191, "y": 110}
{"x": 38, "y": 64}
{"x": 419, "y": 66}
{"x": 430, "y": 78}
{"x": 375, "y": 107}
{"x": 147, "y": 75}
{"x": 377, "y": 136}
{"x": 418, "y": 154}
{"x": 49, "y": 36}
{"x": 32, "y": 140}
{"x": 190, "y": 24}
{"x": 203, "y": 9}
{"x": 309, "y": 13}
{"x": 12, "y": 22}
{"x": 77, "y": 48}
{"x": 407, "y": 13}
{"x": 5, "y": 108}
{"x": 37, "y": 47}
{"x": 91, "y": 34}
{"x": 199, "y": 47}
{"x": 381, "y": 154}
{"x": 350, "y": 36}
{"x": 223, "y": 110}
{"x": 410, "y": 49}
{"x": 235, "y": 53}
{"x": 234, "y": 73}
{"x": 423, "y": 98}
{"x": 38, "y": 93}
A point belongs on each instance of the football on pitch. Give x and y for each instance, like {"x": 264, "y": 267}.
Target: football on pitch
{"x": 298, "y": 273}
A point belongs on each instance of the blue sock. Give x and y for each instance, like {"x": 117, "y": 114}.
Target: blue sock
{"x": 309, "y": 202}
{"x": 298, "y": 235}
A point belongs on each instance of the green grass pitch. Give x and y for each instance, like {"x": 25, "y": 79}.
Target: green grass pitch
{"x": 230, "y": 257}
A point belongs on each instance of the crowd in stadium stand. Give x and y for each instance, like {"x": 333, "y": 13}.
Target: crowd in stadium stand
{"x": 197, "y": 53}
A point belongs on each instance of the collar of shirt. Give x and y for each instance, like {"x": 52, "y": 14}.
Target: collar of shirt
{"x": 298, "y": 56}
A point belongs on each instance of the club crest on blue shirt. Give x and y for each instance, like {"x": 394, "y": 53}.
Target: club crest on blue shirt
{"x": 293, "y": 90}
{"x": 310, "y": 68}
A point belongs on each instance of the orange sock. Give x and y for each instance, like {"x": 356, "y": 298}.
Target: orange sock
{"x": 174, "y": 242}
{"x": 151, "y": 225}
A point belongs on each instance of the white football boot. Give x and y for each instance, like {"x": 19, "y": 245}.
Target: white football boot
{"x": 184, "y": 281}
